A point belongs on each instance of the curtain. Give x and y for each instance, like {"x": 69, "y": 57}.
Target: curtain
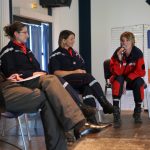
{"x": 39, "y": 42}
{"x": 28, "y": 40}
{"x": 36, "y": 45}
{"x": 45, "y": 45}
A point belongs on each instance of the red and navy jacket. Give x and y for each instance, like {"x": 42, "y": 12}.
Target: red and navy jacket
{"x": 14, "y": 60}
{"x": 130, "y": 67}
{"x": 67, "y": 60}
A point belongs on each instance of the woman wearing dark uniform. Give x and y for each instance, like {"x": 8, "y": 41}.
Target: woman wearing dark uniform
{"x": 59, "y": 113}
{"x": 67, "y": 63}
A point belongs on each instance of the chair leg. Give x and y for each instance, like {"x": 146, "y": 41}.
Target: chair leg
{"x": 120, "y": 103}
{"x": 98, "y": 108}
{"x": 99, "y": 116}
{"x": 35, "y": 124}
{"x": 22, "y": 134}
{"x": 105, "y": 90}
{"x": 3, "y": 126}
{"x": 148, "y": 102}
{"x": 36, "y": 119}
{"x": 27, "y": 127}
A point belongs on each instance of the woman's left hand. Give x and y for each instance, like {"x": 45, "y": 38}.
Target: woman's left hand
{"x": 39, "y": 73}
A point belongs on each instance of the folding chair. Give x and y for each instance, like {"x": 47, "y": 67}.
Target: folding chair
{"x": 107, "y": 74}
{"x": 9, "y": 115}
{"x": 18, "y": 116}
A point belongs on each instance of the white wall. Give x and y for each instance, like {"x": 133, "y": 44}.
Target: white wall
{"x": 66, "y": 18}
{"x": 106, "y": 14}
{"x": 23, "y": 8}
{"x": 4, "y": 20}
{"x": 26, "y": 4}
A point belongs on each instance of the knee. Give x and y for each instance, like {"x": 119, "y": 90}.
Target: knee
{"x": 120, "y": 79}
{"x": 138, "y": 82}
{"x": 89, "y": 77}
{"x": 48, "y": 79}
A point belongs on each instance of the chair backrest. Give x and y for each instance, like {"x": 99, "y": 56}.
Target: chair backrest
{"x": 106, "y": 65}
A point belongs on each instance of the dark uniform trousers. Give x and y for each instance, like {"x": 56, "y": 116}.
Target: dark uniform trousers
{"x": 59, "y": 111}
{"x": 87, "y": 85}
{"x": 75, "y": 95}
{"x": 136, "y": 85}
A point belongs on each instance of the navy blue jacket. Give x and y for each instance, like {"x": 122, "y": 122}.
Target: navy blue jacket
{"x": 61, "y": 59}
{"x": 13, "y": 60}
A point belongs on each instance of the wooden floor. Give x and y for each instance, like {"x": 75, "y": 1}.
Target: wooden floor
{"x": 129, "y": 137}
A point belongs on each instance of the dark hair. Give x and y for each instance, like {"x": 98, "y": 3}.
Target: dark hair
{"x": 14, "y": 27}
{"x": 64, "y": 35}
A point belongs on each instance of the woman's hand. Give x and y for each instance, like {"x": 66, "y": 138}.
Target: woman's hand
{"x": 79, "y": 71}
{"x": 39, "y": 73}
{"x": 120, "y": 53}
{"x": 15, "y": 77}
{"x": 63, "y": 73}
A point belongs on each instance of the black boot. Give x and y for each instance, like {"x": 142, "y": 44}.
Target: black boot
{"x": 117, "y": 120}
{"x": 137, "y": 115}
{"x": 107, "y": 106}
{"x": 92, "y": 119}
{"x": 88, "y": 111}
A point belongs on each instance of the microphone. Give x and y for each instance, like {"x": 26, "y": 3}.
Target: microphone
{"x": 124, "y": 50}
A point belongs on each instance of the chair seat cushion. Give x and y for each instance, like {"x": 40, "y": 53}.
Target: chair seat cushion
{"x": 10, "y": 115}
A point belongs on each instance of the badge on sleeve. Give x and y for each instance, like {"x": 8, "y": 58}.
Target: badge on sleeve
{"x": 74, "y": 63}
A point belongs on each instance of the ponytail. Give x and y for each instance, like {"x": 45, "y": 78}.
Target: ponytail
{"x": 15, "y": 27}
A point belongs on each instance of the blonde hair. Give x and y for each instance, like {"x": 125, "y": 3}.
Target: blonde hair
{"x": 129, "y": 36}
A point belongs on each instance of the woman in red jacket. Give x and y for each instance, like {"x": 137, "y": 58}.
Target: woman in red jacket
{"x": 128, "y": 68}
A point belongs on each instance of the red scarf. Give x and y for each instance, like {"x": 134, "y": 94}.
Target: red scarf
{"x": 70, "y": 52}
{"x": 22, "y": 46}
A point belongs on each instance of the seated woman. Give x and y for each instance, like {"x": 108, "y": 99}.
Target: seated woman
{"x": 127, "y": 68}
{"x": 59, "y": 113}
{"x": 67, "y": 63}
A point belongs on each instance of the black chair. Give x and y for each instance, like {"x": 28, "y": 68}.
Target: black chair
{"x": 107, "y": 74}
